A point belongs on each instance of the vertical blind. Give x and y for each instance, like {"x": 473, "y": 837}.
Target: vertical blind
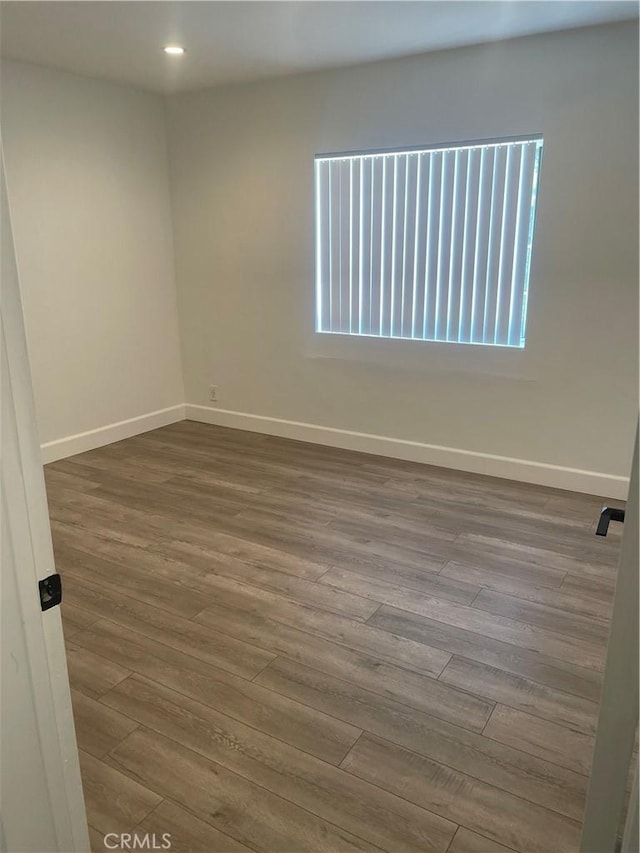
{"x": 429, "y": 244}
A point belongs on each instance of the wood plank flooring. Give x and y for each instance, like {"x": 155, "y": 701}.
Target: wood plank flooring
{"x": 280, "y": 647}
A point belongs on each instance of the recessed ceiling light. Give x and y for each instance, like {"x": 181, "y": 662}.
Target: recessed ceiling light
{"x": 174, "y": 50}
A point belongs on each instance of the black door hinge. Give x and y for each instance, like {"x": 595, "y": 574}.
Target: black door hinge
{"x": 50, "y": 591}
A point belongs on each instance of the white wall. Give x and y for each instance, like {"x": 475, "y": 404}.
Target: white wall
{"x": 87, "y": 177}
{"x": 88, "y": 189}
{"x": 241, "y": 162}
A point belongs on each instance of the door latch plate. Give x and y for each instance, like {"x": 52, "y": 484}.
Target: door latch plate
{"x": 50, "y": 591}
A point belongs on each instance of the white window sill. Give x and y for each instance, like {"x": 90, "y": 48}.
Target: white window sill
{"x": 475, "y": 360}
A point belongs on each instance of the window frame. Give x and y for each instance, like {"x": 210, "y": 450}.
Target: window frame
{"x": 533, "y": 190}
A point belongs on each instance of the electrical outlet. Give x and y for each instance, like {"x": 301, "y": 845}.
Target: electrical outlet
{"x": 213, "y": 393}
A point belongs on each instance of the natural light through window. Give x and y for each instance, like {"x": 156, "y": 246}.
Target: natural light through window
{"x": 427, "y": 244}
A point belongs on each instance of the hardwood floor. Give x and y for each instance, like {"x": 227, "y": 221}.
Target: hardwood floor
{"x": 279, "y": 647}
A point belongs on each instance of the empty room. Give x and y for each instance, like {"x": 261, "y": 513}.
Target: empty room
{"x": 319, "y": 426}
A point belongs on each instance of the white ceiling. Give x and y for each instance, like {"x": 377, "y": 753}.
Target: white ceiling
{"x": 234, "y": 41}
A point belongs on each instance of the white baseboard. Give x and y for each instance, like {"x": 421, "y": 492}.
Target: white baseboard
{"x": 540, "y": 473}
{"x": 83, "y": 441}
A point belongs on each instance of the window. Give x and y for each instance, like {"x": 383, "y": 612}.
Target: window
{"x": 430, "y": 244}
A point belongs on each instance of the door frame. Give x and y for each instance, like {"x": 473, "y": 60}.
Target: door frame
{"x": 618, "y": 717}
{"x": 25, "y": 522}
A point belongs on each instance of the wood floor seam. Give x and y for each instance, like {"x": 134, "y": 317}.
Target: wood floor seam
{"x": 433, "y": 678}
{"x": 353, "y": 745}
{"x": 473, "y": 601}
{"x": 153, "y": 810}
{"x": 488, "y": 784}
{"x": 437, "y": 761}
{"x": 451, "y": 848}
{"x": 469, "y": 693}
{"x": 548, "y": 760}
{"x": 231, "y": 716}
{"x": 455, "y": 770}
{"x": 266, "y": 666}
{"x": 486, "y": 636}
{"x": 568, "y": 634}
{"x": 167, "y": 801}
{"x": 212, "y": 593}
{"x": 114, "y": 622}
{"x": 550, "y": 812}
{"x": 258, "y": 785}
{"x": 527, "y": 679}
{"x": 311, "y": 633}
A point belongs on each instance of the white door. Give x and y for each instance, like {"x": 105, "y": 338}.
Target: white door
{"x": 618, "y": 717}
{"x": 41, "y": 801}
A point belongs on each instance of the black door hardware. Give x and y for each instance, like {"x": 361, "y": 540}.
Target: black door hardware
{"x": 608, "y": 514}
{"x": 50, "y": 591}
